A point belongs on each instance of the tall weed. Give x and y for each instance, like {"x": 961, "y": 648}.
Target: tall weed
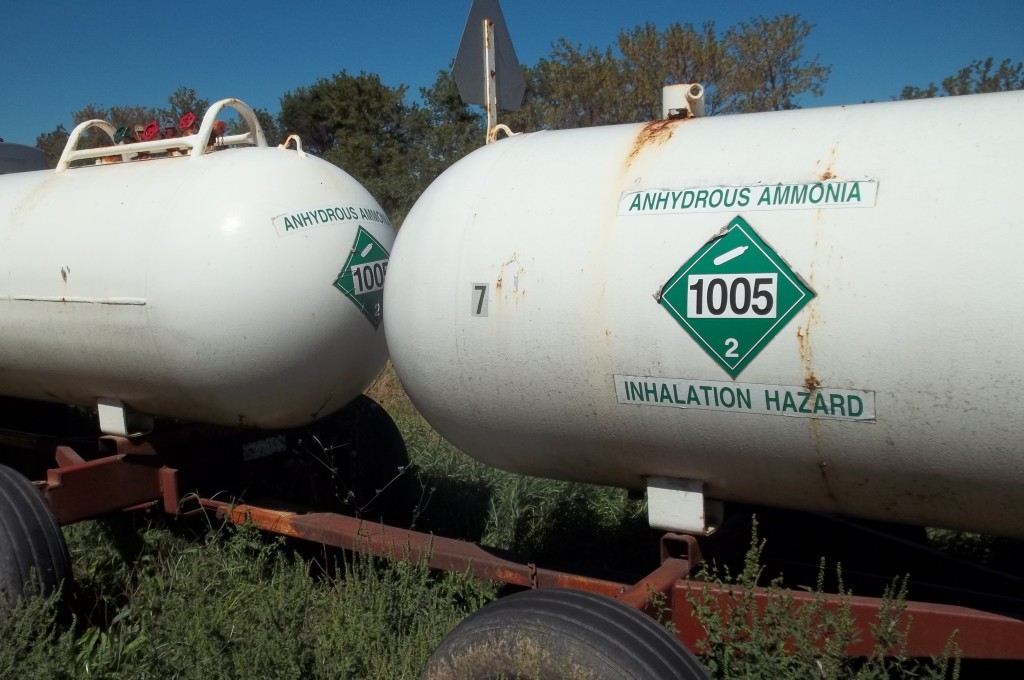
{"x": 785, "y": 638}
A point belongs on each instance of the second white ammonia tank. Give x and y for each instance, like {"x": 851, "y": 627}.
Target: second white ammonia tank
{"x": 558, "y": 305}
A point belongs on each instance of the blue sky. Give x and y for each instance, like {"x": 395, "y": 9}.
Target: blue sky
{"x": 57, "y": 57}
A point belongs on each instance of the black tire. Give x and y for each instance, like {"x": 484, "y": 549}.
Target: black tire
{"x": 555, "y": 634}
{"x": 34, "y": 557}
{"x": 353, "y": 462}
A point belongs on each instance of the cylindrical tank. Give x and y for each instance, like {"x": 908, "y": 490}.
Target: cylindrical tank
{"x": 237, "y": 287}
{"x": 816, "y": 309}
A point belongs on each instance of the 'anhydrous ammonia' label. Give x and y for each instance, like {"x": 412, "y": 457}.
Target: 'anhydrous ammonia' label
{"x": 301, "y": 221}
{"x": 734, "y": 295}
{"x": 362, "y": 278}
{"x": 799, "y": 196}
{"x": 737, "y": 397}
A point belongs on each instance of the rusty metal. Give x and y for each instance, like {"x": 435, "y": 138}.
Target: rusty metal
{"x": 977, "y": 634}
{"x": 349, "y": 533}
{"x": 124, "y": 446}
{"x": 680, "y": 555}
{"x": 79, "y": 490}
{"x": 980, "y": 634}
{"x": 653, "y": 133}
{"x": 67, "y": 456}
{"x": 169, "y": 487}
{"x": 661, "y": 580}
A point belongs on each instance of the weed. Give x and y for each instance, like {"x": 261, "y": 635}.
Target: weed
{"x": 784, "y": 638}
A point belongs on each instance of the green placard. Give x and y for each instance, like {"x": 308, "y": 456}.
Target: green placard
{"x": 362, "y": 278}
{"x": 734, "y": 295}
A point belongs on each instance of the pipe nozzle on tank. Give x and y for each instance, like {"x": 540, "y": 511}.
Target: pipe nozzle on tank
{"x": 685, "y": 100}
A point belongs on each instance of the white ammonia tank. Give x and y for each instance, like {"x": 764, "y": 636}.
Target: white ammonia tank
{"x": 816, "y": 309}
{"x": 240, "y": 286}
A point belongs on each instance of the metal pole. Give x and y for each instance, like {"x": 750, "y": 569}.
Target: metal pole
{"x": 490, "y": 84}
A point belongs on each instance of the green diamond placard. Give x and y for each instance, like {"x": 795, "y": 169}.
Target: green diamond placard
{"x": 734, "y": 295}
{"x": 362, "y": 278}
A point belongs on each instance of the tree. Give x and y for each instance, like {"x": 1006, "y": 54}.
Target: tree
{"x": 533, "y": 112}
{"x": 363, "y": 127}
{"x": 118, "y": 116}
{"x": 679, "y": 54}
{"x": 180, "y": 102}
{"x": 130, "y": 116}
{"x": 53, "y": 144}
{"x": 268, "y": 122}
{"x": 975, "y": 78}
{"x": 582, "y": 88}
{"x": 763, "y": 68}
{"x": 271, "y": 128}
{"x": 449, "y": 128}
{"x": 756, "y": 66}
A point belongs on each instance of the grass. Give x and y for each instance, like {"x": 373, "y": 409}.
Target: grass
{"x": 165, "y": 598}
{"x": 227, "y": 602}
{"x": 563, "y": 521}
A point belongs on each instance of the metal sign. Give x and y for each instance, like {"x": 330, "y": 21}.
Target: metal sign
{"x": 734, "y": 295}
{"x": 469, "y": 69}
{"x": 362, "y": 277}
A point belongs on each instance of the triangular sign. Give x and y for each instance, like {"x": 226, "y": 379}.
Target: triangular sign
{"x": 469, "y": 62}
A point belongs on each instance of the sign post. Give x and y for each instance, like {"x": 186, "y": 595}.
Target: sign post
{"x": 494, "y": 81}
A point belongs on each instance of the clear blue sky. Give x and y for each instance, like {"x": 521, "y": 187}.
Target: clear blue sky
{"x": 58, "y": 56}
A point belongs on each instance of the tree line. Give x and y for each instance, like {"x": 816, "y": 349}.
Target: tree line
{"x": 395, "y": 147}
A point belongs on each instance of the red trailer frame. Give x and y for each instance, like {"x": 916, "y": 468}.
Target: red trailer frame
{"x": 133, "y": 475}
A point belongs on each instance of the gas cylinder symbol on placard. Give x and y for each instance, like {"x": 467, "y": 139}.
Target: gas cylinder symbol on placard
{"x": 362, "y": 277}
{"x": 734, "y": 295}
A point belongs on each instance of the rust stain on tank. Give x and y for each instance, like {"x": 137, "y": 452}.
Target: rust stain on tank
{"x": 654, "y": 133}
{"x": 828, "y": 174}
{"x": 806, "y": 348}
{"x": 812, "y": 383}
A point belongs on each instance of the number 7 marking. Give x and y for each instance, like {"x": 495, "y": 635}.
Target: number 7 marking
{"x": 479, "y": 300}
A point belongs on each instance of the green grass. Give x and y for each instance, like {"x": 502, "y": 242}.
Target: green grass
{"x": 227, "y": 602}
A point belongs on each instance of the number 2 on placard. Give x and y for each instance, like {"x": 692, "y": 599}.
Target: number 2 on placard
{"x": 732, "y": 344}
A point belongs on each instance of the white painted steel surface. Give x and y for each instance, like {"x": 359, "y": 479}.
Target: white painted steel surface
{"x": 173, "y": 285}
{"x": 917, "y": 316}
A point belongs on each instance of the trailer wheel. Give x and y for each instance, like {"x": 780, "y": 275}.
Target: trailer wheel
{"x": 354, "y": 462}
{"x": 551, "y": 634}
{"x": 34, "y": 557}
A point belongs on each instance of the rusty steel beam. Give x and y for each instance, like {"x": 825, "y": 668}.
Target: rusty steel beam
{"x": 977, "y": 634}
{"x": 680, "y": 555}
{"x": 79, "y": 490}
{"x": 450, "y": 554}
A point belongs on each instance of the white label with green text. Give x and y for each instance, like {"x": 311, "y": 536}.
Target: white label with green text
{"x": 774, "y": 400}
{"x": 804, "y": 195}
{"x": 322, "y": 216}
